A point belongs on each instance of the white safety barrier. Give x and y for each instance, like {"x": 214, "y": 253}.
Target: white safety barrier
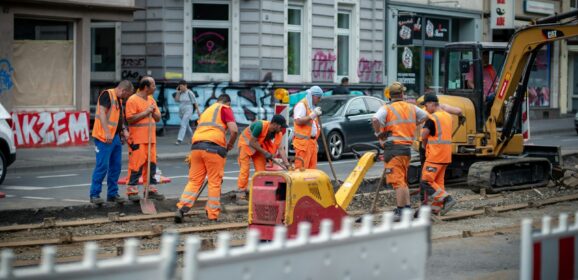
{"x": 550, "y": 253}
{"x": 384, "y": 251}
{"x": 387, "y": 250}
{"x": 127, "y": 266}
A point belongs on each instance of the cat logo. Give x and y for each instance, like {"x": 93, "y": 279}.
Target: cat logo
{"x": 552, "y": 34}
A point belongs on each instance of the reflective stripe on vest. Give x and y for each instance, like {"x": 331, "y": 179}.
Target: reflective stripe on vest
{"x": 112, "y": 115}
{"x": 247, "y": 141}
{"x": 439, "y": 132}
{"x": 211, "y": 127}
{"x": 213, "y": 123}
{"x": 401, "y": 128}
{"x": 303, "y": 132}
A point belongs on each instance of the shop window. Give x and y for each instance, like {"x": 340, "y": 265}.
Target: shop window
{"x": 539, "y": 84}
{"x": 408, "y": 69}
{"x": 32, "y": 29}
{"x": 294, "y": 40}
{"x": 343, "y": 42}
{"x": 211, "y": 38}
{"x": 434, "y": 70}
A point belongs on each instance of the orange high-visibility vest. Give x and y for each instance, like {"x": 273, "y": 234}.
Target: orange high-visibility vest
{"x": 112, "y": 115}
{"x": 270, "y": 146}
{"x": 303, "y": 132}
{"x": 139, "y": 130}
{"x": 400, "y": 122}
{"x": 211, "y": 127}
{"x": 439, "y": 147}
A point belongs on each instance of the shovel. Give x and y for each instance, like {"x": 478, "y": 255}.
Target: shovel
{"x": 146, "y": 205}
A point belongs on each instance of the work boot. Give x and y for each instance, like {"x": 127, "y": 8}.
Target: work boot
{"x": 179, "y": 216}
{"x": 134, "y": 197}
{"x": 397, "y": 214}
{"x": 156, "y": 195}
{"x": 96, "y": 201}
{"x": 449, "y": 202}
{"x": 211, "y": 221}
{"x": 117, "y": 199}
{"x": 242, "y": 197}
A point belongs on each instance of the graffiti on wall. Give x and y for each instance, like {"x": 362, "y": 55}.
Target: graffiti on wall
{"x": 370, "y": 71}
{"x": 323, "y": 65}
{"x": 131, "y": 67}
{"x": 52, "y": 129}
{"x": 6, "y": 72}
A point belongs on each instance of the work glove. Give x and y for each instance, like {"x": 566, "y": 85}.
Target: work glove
{"x": 316, "y": 113}
{"x": 268, "y": 156}
{"x": 461, "y": 119}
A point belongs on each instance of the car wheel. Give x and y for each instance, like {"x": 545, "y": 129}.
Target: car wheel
{"x": 335, "y": 145}
{"x": 3, "y": 167}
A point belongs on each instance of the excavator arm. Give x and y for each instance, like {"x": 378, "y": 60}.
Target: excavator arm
{"x": 522, "y": 50}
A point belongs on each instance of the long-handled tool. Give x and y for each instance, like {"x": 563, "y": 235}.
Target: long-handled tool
{"x": 146, "y": 205}
{"x": 377, "y": 188}
{"x": 327, "y": 151}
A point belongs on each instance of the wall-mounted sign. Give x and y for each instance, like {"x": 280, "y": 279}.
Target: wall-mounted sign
{"x": 437, "y": 29}
{"x": 405, "y": 23}
{"x": 538, "y": 7}
{"x": 502, "y": 14}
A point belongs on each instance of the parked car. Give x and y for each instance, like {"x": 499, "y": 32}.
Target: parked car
{"x": 346, "y": 120}
{"x": 576, "y": 123}
{"x": 7, "y": 146}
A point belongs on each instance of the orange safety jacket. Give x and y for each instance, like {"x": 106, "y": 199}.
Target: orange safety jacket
{"x": 139, "y": 130}
{"x": 270, "y": 146}
{"x": 400, "y": 123}
{"x": 439, "y": 147}
{"x": 211, "y": 127}
{"x": 112, "y": 115}
{"x": 303, "y": 132}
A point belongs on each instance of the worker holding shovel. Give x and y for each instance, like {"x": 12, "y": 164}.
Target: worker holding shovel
{"x": 141, "y": 114}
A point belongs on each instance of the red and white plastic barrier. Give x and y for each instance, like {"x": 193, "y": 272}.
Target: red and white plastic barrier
{"x": 550, "y": 253}
{"x": 525, "y": 119}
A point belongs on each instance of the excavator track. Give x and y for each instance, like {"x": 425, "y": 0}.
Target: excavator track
{"x": 509, "y": 174}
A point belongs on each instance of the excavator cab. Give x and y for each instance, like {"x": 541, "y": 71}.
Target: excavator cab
{"x": 473, "y": 71}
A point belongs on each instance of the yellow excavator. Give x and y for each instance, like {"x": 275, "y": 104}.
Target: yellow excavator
{"x": 489, "y": 147}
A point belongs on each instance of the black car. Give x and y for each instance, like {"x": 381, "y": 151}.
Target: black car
{"x": 346, "y": 120}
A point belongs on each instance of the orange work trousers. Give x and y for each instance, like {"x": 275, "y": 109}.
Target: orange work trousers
{"x": 204, "y": 164}
{"x": 137, "y": 166}
{"x": 308, "y": 154}
{"x": 396, "y": 171}
{"x": 432, "y": 184}
{"x": 244, "y": 160}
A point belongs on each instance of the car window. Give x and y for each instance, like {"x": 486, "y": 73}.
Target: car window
{"x": 356, "y": 107}
{"x": 331, "y": 107}
{"x": 373, "y": 104}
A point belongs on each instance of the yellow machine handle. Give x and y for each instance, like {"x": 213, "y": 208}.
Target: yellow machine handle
{"x": 346, "y": 192}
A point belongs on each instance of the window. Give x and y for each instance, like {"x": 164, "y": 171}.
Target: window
{"x": 539, "y": 84}
{"x": 210, "y": 38}
{"x": 373, "y": 105}
{"x": 434, "y": 70}
{"x": 408, "y": 69}
{"x": 33, "y": 29}
{"x": 103, "y": 49}
{"x": 294, "y": 31}
{"x": 343, "y": 35}
{"x": 356, "y": 107}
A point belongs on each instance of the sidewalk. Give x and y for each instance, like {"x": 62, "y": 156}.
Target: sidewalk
{"x": 83, "y": 156}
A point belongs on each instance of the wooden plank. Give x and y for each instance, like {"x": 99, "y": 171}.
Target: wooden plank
{"x": 14, "y": 244}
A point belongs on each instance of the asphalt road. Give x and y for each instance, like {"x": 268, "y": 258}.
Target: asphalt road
{"x": 70, "y": 187}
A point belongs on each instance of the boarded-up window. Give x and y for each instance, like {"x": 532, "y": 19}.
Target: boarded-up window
{"x": 43, "y": 57}
{"x": 43, "y": 73}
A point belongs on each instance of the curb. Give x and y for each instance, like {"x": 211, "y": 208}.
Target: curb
{"x": 550, "y": 131}
{"x": 172, "y": 157}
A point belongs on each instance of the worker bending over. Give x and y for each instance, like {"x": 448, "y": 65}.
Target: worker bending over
{"x": 142, "y": 114}
{"x": 436, "y": 138}
{"x": 259, "y": 142}
{"x": 208, "y": 156}
{"x": 306, "y": 128}
{"x": 394, "y": 125}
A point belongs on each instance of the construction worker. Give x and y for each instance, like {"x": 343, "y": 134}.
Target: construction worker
{"x": 259, "y": 142}
{"x": 208, "y": 156}
{"x": 394, "y": 125}
{"x": 109, "y": 134}
{"x": 436, "y": 138}
{"x": 142, "y": 114}
{"x": 306, "y": 128}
